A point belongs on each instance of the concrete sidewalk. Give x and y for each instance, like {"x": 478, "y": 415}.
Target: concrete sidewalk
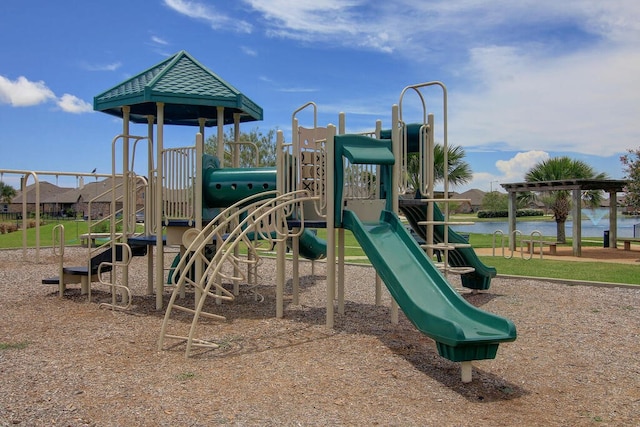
{"x": 565, "y": 253}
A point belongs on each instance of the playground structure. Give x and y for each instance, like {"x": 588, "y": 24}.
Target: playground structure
{"x": 343, "y": 182}
{"x": 324, "y": 178}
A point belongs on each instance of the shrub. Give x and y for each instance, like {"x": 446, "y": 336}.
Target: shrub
{"x": 102, "y": 227}
{"x": 505, "y": 213}
{"x": 105, "y": 227}
{"x": 493, "y": 214}
{"x": 530, "y": 212}
{"x": 8, "y": 227}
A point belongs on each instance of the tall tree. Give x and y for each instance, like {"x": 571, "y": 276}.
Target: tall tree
{"x": 7, "y": 193}
{"x": 459, "y": 171}
{"x": 495, "y": 201}
{"x": 631, "y": 167}
{"x": 265, "y": 144}
{"x": 559, "y": 168}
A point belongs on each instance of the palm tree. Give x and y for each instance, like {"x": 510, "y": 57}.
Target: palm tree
{"x": 7, "y": 193}
{"x": 559, "y": 201}
{"x": 459, "y": 171}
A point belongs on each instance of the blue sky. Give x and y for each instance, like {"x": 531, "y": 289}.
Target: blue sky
{"x": 527, "y": 79}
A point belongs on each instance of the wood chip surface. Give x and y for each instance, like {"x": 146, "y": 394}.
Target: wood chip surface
{"x": 67, "y": 362}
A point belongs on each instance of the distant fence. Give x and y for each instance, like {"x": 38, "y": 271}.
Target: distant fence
{"x": 10, "y": 216}
{"x": 17, "y": 216}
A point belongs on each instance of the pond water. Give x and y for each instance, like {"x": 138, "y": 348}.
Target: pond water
{"x": 594, "y": 226}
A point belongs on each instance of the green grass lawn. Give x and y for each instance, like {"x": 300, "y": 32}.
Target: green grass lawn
{"x": 72, "y": 230}
{"x": 588, "y": 271}
{"x": 570, "y": 270}
{"x": 473, "y": 217}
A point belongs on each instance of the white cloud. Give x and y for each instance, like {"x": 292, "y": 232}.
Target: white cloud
{"x": 615, "y": 20}
{"x": 72, "y": 104}
{"x": 331, "y": 21}
{"x": 158, "y": 44}
{"x": 202, "y": 11}
{"x": 357, "y": 107}
{"x": 248, "y": 51}
{"x": 24, "y": 93}
{"x": 280, "y": 87}
{"x": 513, "y": 170}
{"x": 439, "y": 23}
{"x": 158, "y": 40}
{"x": 531, "y": 74}
{"x": 482, "y": 181}
{"x": 103, "y": 67}
{"x": 583, "y": 102}
{"x": 510, "y": 170}
{"x": 417, "y": 28}
{"x": 297, "y": 89}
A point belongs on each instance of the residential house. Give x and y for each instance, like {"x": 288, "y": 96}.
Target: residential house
{"x": 76, "y": 202}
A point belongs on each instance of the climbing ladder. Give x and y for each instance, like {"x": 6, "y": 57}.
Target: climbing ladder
{"x": 424, "y": 132}
{"x": 255, "y": 217}
{"x": 111, "y": 256}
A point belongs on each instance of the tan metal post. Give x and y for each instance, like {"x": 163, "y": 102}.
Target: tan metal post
{"x": 158, "y": 208}
{"x": 331, "y": 236}
{"x": 148, "y": 203}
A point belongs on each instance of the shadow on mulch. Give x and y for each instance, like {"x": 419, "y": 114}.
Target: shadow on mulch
{"x": 404, "y": 340}
{"x": 479, "y": 299}
{"x": 304, "y": 324}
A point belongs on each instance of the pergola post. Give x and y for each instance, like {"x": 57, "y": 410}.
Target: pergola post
{"x": 577, "y": 222}
{"x": 576, "y": 187}
{"x": 613, "y": 219}
{"x": 513, "y": 204}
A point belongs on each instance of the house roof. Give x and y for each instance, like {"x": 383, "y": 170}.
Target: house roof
{"x": 49, "y": 193}
{"x": 99, "y": 191}
{"x": 188, "y": 89}
{"x": 474, "y": 195}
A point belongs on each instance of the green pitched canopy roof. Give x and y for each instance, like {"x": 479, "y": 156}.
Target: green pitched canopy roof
{"x": 188, "y": 89}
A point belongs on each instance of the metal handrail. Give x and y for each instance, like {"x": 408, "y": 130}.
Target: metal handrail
{"x": 263, "y": 217}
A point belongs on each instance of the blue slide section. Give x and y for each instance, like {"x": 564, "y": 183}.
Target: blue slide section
{"x": 462, "y": 332}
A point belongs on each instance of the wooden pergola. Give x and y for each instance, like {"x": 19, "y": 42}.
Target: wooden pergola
{"x": 576, "y": 186}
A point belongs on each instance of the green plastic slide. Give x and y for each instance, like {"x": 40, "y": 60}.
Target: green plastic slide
{"x": 462, "y": 332}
